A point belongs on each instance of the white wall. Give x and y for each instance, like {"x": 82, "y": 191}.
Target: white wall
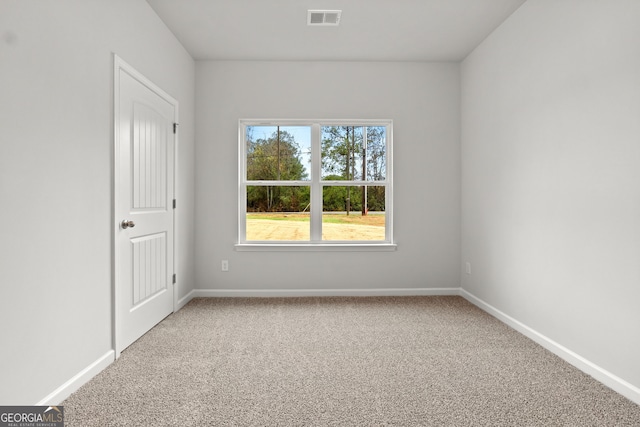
{"x": 423, "y": 101}
{"x": 551, "y": 176}
{"x": 56, "y": 108}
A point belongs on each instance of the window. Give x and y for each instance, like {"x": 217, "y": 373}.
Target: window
{"x": 315, "y": 184}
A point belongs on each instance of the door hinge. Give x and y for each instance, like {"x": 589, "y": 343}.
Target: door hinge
{"x": 175, "y": 128}
{"x": 174, "y": 278}
{"x": 174, "y": 203}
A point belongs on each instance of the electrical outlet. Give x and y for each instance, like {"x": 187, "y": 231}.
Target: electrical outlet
{"x": 467, "y": 267}
{"x": 225, "y": 265}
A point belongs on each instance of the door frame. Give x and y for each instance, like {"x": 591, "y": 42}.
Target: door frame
{"x": 120, "y": 65}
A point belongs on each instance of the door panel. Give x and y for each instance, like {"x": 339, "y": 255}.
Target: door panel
{"x": 149, "y": 159}
{"x": 144, "y": 170}
{"x": 149, "y": 267}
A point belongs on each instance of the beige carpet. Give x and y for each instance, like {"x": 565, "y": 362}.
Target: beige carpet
{"x": 396, "y": 361}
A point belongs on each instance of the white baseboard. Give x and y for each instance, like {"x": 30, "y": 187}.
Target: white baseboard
{"x": 78, "y": 380}
{"x": 612, "y": 381}
{"x": 184, "y": 300}
{"x": 323, "y": 292}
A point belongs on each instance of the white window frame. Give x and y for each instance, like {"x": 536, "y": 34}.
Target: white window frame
{"x": 315, "y": 183}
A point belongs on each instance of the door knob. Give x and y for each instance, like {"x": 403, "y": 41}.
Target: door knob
{"x": 127, "y": 224}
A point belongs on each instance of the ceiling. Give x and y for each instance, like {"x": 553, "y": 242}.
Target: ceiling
{"x": 369, "y": 30}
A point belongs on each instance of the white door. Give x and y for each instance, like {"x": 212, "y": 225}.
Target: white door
{"x": 144, "y": 209}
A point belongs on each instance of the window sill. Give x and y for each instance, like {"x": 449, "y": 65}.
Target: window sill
{"x": 310, "y": 247}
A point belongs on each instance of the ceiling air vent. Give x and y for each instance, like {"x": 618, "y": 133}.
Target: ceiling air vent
{"x": 323, "y": 17}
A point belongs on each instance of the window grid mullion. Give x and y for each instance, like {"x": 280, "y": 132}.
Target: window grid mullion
{"x": 316, "y": 187}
